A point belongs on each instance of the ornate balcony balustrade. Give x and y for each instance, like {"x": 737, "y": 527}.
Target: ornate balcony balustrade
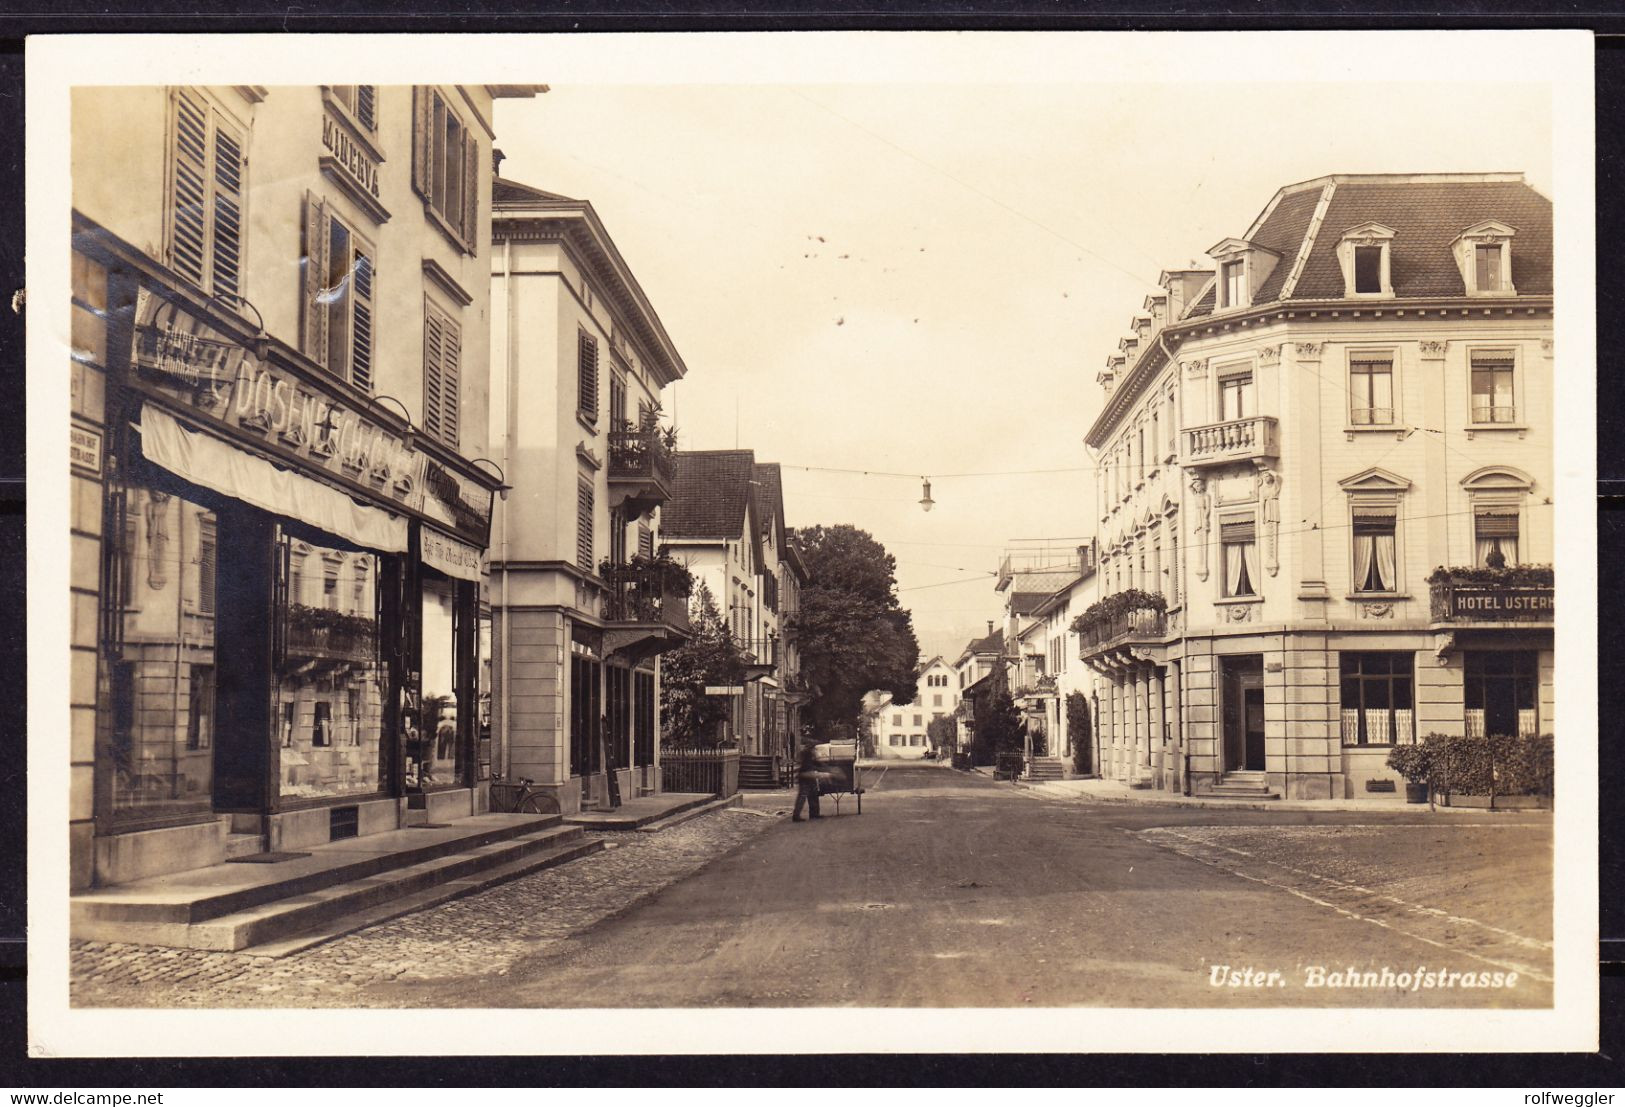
{"x": 1234, "y": 440}
{"x": 642, "y": 467}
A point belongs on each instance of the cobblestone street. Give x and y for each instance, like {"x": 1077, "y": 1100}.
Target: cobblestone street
{"x": 481, "y": 934}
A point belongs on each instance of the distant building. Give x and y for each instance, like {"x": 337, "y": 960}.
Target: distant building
{"x": 1302, "y": 449}
{"x": 900, "y": 732}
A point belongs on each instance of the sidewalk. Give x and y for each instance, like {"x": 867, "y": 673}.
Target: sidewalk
{"x": 1091, "y": 790}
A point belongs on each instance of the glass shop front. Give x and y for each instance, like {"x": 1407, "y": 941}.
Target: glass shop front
{"x": 289, "y": 588}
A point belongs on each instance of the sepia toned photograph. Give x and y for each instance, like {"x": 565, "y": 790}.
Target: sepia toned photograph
{"x": 1057, "y": 524}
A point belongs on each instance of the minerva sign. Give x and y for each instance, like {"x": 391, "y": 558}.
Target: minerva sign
{"x": 221, "y": 379}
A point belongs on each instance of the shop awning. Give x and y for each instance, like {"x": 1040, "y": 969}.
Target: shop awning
{"x": 211, "y": 463}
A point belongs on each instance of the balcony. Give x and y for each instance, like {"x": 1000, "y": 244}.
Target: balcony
{"x": 321, "y": 635}
{"x": 1519, "y": 594}
{"x": 646, "y": 607}
{"x": 1109, "y": 629}
{"x": 761, "y": 656}
{"x": 1236, "y": 440}
{"x": 642, "y": 468}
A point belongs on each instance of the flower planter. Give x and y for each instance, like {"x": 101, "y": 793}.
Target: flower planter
{"x": 1416, "y": 793}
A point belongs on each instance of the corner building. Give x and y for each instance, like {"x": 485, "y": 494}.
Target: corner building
{"x": 280, "y": 512}
{"x": 1330, "y": 454}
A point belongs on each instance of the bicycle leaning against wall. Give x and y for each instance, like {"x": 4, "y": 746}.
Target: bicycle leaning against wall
{"x": 519, "y": 797}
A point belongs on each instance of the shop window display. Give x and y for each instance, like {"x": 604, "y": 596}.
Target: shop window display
{"x": 161, "y": 653}
{"x": 433, "y": 755}
{"x": 329, "y": 676}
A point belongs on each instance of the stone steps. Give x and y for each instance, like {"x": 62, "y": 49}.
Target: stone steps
{"x": 237, "y": 906}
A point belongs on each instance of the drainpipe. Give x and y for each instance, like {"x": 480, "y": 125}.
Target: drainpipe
{"x": 507, "y": 462}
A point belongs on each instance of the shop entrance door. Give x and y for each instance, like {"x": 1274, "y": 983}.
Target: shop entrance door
{"x": 1243, "y": 694}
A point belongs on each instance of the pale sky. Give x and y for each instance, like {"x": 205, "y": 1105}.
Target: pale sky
{"x": 925, "y": 278}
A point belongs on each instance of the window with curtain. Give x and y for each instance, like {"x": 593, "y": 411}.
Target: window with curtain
{"x": 1492, "y": 400}
{"x": 1235, "y": 397}
{"x": 1371, "y": 390}
{"x": 1238, "y": 547}
{"x": 1500, "y": 692}
{"x": 1377, "y": 704}
{"x": 1376, "y": 558}
{"x": 1495, "y": 537}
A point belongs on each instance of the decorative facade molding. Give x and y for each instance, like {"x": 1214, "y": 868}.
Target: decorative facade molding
{"x": 1430, "y": 349}
{"x": 1377, "y": 610}
{"x": 1269, "y": 499}
{"x": 1238, "y": 612}
{"x": 1309, "y": 351}
{"x": 1204, "y": 507}
{"x": 1270, "y": 355}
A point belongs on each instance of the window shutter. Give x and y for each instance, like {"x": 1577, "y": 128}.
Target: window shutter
{"x": 422, "y": 138}
{"x": 1496, "y": 523}
{"x": 205, "y": 578}
{"x": 189, "y": 227}
{"x": 361, "y": 332}
{"x": 226, "y": 249}
{"x": 1236, "y": 530}
{"x": 587, "y": 374}
{"x": 450, "y": 381}
{"x": 314, "y": 266}
{"x": 1373, "y": 521}
{"x": 471, "y": 192}
{"x": 366, "y": 106}
{"x": 646, "y": 540}
{"x": 433, "y": 345}
{"x": 584, "y": 525}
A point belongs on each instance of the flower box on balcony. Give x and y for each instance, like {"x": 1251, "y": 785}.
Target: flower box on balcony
{"x": 1515, "y": 594}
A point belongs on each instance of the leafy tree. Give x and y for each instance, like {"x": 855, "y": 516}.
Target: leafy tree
{"x": 999, "y": 730}
{"x": 853, "y": 635}
{"x": 1077, "y": 731}
{"x": 943, "y": 733}
{"x": 690, "y": 716}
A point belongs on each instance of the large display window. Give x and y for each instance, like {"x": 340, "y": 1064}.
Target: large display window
{"x": 434, "y": 753}
{"x": 159, "y": 652}
{"x": 328, "y": 677}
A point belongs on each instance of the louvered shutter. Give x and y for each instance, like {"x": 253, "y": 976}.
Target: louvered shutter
{"x": 433, "y": 346}
{"x": 646, "y": 540}
{"x": 422, "y": 138}
{"x": 1373, "y": 521}
{"x": 1236, "y": 530}
{"x": 226, "y": 250}
{"x": 584, "y": 500}
{"x": 471, "y": 192}
{"x": 361, "y": 329}
{"x": 366, "y": 106}
{"x": 313, "y": 272}
{"x": 189, "y": 219}
{"x": 450, "y": 381}
{"x": 587, "y": 374}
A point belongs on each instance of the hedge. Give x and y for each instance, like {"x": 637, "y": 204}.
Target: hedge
{"x": 1499, "y": 765}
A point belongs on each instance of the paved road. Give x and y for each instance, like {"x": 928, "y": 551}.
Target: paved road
{"x": 952, "y": 890}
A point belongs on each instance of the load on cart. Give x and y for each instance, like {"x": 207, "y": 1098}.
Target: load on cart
{"x": 828, "y": 769}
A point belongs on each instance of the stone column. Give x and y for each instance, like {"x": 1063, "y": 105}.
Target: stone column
{"x": 1159, "y": 727}
{"x": 1304, "y": 441}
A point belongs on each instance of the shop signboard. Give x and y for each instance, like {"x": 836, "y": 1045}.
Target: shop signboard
{"x": 222, "y": 381}
{"x": 85, "y": 449}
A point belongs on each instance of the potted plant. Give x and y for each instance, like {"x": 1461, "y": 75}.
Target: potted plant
{"x": 1414, "y": 763}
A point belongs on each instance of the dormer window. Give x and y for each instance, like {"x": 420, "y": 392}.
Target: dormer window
{"x": 1363, "y": 253}
{"x": 1484, "y": 256}
{"x": 1243, "y": 269}
{"x": 1231, "y": 292}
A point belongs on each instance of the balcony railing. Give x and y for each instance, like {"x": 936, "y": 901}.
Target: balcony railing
{"x": 1459, "y": 601}
{"x": 1235, "y": 440}
{"x": 643, "y": 594}
{"x": 641, "y": 455}
{"x": 1145, "y": 623}
{"x": 317, "y": 632}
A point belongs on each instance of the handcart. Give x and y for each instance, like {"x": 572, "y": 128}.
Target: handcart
{"x": 838, "y": 772}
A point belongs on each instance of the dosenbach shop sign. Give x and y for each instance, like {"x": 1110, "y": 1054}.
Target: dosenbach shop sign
{"x": 222, "y": 380}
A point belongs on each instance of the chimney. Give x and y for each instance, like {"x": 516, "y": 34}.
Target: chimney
{"x": 497, "y": 157}
{"x": 990, "y": 628}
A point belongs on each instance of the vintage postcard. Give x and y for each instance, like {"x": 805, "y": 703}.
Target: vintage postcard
{"x": 782, "y": 542}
